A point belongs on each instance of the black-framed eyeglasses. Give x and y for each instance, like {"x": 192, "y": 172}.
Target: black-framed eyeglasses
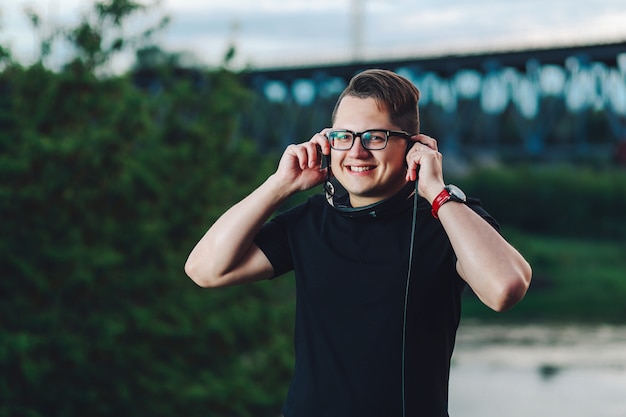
{"x": 371, "y": 139}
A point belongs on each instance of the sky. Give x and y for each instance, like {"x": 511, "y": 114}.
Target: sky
{"x": 277, "y": 33}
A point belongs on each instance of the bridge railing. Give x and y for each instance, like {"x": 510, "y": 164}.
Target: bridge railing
{"x": 523, "y": 105}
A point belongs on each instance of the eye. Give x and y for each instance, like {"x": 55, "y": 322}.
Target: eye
{"x": 341, "y": 136}
{"x": 376, "y": 136}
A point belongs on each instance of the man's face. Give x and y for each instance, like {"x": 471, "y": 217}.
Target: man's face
{"x": 368, "y": 176}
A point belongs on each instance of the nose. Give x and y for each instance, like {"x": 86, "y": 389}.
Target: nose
{"x": 357, "y": 148}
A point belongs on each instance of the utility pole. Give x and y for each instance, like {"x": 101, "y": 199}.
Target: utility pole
{"x": 357, "y": 24}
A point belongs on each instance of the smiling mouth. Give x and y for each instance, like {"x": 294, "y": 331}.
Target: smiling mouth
{"x": 359, "y": 169}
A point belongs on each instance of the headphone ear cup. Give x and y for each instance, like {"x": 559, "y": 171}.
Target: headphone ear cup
{"x": 329, "y": 188}
{"x": 326, "y": 161}
{"x": 409, "y": 145}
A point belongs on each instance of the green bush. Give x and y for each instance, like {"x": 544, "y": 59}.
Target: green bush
{"x": 558, "y": 201}
{"x": 104, "y": 190}
{"x": 569, "y": 224}
{"x": 573, "y": 280}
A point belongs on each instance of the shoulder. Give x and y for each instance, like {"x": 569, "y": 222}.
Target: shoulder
{"x": 313, "y": 204}
{"x": 476, "y": 205}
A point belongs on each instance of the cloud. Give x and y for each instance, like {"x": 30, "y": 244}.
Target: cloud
{"x": 268, "y": 32}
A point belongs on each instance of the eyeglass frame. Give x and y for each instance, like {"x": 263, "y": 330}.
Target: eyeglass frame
{"x": 388, "y": 134}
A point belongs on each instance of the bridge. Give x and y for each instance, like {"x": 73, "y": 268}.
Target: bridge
{"x": 551, "y": 103}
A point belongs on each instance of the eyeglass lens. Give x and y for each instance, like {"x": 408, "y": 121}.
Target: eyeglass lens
{"x": 372, "y": 139}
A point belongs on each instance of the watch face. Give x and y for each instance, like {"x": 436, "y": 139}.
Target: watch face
{"x": 456, "y": 193}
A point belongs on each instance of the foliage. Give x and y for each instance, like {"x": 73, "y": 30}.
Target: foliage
{"x": 568, "y": 222}
{"x": 104, "y": 189}
{"x": 101, "y": 34}
{"x": 558, "y": 201}
{"x": 573, "y": 279}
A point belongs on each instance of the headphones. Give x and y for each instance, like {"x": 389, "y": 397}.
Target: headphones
{"x": 338, "y": 197}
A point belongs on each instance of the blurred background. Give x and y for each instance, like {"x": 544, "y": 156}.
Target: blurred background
{"x": 127, "y": 128}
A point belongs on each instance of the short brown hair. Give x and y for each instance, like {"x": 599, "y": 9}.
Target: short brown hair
{"x": 392, "y": 92}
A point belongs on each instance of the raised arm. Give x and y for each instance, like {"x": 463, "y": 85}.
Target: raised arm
{"x": 226, "y": 254}
{"x": 494, "y": 269}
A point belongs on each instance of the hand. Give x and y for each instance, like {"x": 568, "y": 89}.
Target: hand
{"x": 300, "y": 166}
{"x": 425, "y": 155}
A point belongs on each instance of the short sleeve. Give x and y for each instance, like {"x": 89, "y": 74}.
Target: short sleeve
{"x": 273, "y": 241}
{"x": 477, "y": 207}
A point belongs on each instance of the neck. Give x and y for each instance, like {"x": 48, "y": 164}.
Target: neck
{"x": 357, "y": 201}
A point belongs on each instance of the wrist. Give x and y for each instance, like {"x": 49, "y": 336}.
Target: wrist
{"x": 430, "y": 191}
{"x": 449, "y": 193}
{"x": 281, "y": 189}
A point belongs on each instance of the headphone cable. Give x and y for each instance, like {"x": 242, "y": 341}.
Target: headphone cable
{"x": 406, "y": 301}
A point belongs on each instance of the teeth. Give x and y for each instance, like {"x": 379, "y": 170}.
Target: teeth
{"x": 359, "y": 169}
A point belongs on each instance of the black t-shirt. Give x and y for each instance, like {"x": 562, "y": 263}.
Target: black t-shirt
{"x": 351, "y": 275}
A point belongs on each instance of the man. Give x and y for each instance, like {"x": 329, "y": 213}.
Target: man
{"x": 379, "y": 280}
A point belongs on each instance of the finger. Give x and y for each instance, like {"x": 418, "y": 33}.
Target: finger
{"x": 300, "y": 155}
{"x": 321, "y": 140}
{"x": 325, "y": 130}
{"x": 411, "y": 173}
{"x": 412, "y": 162}
{"x": 426, "y": 140}
{"x": 313, "y": 154}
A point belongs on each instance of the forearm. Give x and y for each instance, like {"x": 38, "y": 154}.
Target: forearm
{"x": 228, "y": 242}
{"x": 494, "y": 269}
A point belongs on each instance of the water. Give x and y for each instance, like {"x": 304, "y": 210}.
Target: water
{"x": 539, "y": 370}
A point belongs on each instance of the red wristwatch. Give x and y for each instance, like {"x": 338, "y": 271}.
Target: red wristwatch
{"x": 449, "y": 193}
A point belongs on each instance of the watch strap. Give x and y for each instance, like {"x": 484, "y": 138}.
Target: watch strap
{"x": 442, "y": 198}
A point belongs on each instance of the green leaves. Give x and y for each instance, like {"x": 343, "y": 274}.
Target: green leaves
{"x": 104, "y": 190}
{"x": 117, "y": 10}
{"x": 558, "y": 201}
